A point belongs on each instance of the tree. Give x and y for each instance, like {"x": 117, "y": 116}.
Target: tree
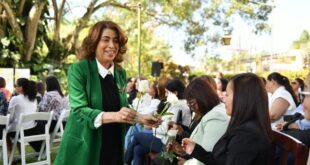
{"x": 28, "y": 26}
{"x": 23, "y": 18}
{"x": 195, "y": 17}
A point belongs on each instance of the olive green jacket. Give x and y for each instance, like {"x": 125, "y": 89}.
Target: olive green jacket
{"x": 81, "y": 143}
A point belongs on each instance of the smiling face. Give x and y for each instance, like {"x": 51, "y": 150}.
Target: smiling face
{"x": 107, "y": 48}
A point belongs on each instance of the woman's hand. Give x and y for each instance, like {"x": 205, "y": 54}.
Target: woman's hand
{"x": 126, "y": 115}
{"x": 188, "y": 145}
{"x": 175, "y": 126}
{"x": 176, "y": 148}
{"x": 280, "y": 125}
{"x": 181, "y": 161}
{"x": 149, "y": 120}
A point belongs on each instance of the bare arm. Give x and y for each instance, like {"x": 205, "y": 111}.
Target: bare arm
{"x": 278, "y": 108}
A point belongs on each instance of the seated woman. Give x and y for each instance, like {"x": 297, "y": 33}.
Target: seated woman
{"x": 247, "y": 140}
{"x": 298, "y": 85}
{"x": 144, "y": 142}
{"x": 210, "y": 115}
{"x": 53, "y": 100}
{"x": 3, "y": 105}
{"x": 3, "y": 110}
{"x": 221, "y": 85}
{"x": 24, "y": 103}
{"x": 153, "y": 92}
{"x": 300, "y": 129}
{"x": 5, "y": 91}
{"x": 283, "y": 100}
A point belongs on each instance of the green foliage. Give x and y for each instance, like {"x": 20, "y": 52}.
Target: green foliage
{"x": 303, "y": 43}
{"x": 167, "y": 155}
{"x": 173, "y": 70}
{"x": 304, "y": 39}
{"x": 153, "y": 48}
{"x": 195, "y": 17}
{"x": 8, "y": 52}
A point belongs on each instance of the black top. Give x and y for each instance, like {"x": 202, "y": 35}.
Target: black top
{"x": 245, "y": 146}
{"x": 302, "y": 135}
{"x": 187, "y": 131}
{"x": 111, "y": 148}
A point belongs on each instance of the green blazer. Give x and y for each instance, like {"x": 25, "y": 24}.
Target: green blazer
{"x": 81, "y": 142}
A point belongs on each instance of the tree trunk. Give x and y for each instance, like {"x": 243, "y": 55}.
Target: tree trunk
{"x": 31, "y": 29}
{"x": 2, "y": 22}
{"x": 57, "y": 22}
{"x": 13, "y": 21}
{"x": 58, "y": 14}
{"x": 21, "y": 8}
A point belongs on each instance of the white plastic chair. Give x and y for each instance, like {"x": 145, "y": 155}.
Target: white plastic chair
{"x": 4, "y": 121}
{"x": 59, "y": 129}
{"x": 43, "y": 116}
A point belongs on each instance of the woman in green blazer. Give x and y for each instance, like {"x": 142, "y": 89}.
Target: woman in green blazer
{"x": 95, "y": 130}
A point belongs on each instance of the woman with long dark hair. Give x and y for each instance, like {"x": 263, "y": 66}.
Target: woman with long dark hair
{"x": 248, "y": 137}
{"x": 283, "y": 100}
{"x": 298, "y": 85}
{"x": 53, "y": 100}
{"x": 143, "y": 142}
{"x": 24, "y": 103}
{"x": 209, "y": 123}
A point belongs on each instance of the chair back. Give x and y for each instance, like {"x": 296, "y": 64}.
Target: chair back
{"x": 20, "y": 136}
{"x": 43, "y": 116}
{"x": 59, "y": 126}
{"x": 35, "y": 116}
{"x": 4, "y": 121}
{"x": 288, "y": 144}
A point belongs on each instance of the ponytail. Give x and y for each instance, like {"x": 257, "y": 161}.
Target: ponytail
{"x": 283, "y": 80}
{"x": 29, "y": 88}
{"x": 31, "y": 91}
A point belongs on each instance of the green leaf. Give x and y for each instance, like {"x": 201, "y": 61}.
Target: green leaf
{"x": 167, "y": 114}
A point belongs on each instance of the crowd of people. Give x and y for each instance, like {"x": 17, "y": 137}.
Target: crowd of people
{"x": 26, "y": 100}
{"x": 118, "y": 120}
